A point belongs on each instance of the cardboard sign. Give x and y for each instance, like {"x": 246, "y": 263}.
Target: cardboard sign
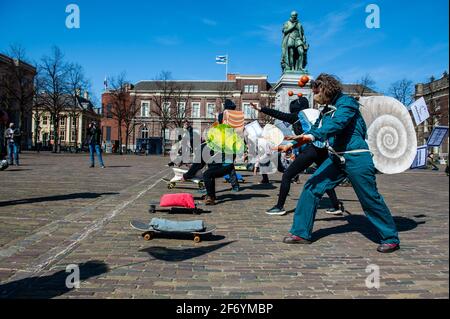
{"x": 420, "y": 111}
{"x": 437, "y": 136}
{"x": 421, "y": 157}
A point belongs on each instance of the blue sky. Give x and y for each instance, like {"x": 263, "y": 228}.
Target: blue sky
{"x": 145, "y": 37}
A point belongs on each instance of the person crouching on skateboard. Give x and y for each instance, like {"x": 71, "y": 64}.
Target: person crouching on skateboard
{"x": 349, "y": 130}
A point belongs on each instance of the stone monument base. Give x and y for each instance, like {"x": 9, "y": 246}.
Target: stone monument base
{"x": 289, "y": 82}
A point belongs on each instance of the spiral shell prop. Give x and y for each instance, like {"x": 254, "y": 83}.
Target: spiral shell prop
{"x": 390, "y": 133}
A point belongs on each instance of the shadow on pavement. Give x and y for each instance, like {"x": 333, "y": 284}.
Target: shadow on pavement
{"x": 50, "y": 286}
{"x": 237, "y": 197}
{"x": 53, "y": 198}
{"x": 360, "y": 224}
{"x": 175, "y": 255}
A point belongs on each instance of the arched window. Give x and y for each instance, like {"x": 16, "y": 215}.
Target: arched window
{"x": 144, "y": 132}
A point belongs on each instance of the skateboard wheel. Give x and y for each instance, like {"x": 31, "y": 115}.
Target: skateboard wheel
{"x": 201, "y": 185}
{"x": 171, "y": 185}
{"x": 148, "y": 236}
{"x": 197, "y": 239}
{"x": 152, "y": 209}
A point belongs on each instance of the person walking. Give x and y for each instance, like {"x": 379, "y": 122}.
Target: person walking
{"x": 94, "y": 142}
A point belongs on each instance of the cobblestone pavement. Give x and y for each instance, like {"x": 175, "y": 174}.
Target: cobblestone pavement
{"x": 56, "y": 211}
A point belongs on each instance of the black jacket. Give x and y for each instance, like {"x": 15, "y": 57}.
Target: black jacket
{"x": 94, "y": 136}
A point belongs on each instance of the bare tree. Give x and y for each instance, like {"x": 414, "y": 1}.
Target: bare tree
{"x": 124, "y": 107}
{"x": 77, "y": 84}
{"x": 365, "y": 84}
{"x": 181, "y": 108}
{"x": 17, "y": 85}
{"x": 55, "y": 94}
{"x": 402, "y": 90}
{"x": 162, "y": 100}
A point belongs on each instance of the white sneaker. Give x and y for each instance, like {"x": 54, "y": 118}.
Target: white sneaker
{"x": 334, "y": 211}
{"x": 276, "y": 211}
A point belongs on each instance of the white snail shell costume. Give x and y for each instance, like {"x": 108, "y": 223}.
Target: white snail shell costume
{"x": 390, "y": 133}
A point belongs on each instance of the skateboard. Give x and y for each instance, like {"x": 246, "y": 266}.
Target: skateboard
{"x": 177, "y": 179}
{"x": 154, "y": 207}
{"x": 149, "y": 232}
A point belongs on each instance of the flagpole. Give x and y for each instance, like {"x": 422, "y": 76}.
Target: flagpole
{"x": 226, "y": 69}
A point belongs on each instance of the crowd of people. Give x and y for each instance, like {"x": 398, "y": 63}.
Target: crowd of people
{"x": 341, "y": 126}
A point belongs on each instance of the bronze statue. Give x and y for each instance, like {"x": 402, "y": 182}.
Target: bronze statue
{"x": 294, "y": 46}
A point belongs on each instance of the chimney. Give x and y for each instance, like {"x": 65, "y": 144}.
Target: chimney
{"x": 231, "y": 76}
{"x": 86, "y": 95}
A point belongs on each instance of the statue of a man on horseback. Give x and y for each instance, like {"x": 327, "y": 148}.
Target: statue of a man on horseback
{"x": 294, "y": 47}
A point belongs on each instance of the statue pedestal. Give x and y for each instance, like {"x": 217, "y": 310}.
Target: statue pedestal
{"x": 289, "y": 82}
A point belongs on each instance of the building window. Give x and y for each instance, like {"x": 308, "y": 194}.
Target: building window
{"x": 144, "y": 132}
{"x": 73, "y": 137}
{"x": 249, "y": 112}
{"x": 109, "y": 111}
{"x": 145, "y": 109}
{"x": 62, "y": 135}
{"x": 181, "y": 109}
{"x": 108, "y": 133}
{"x": 167, "y": 134}
{"x": 44, "y": 120}
{"x": 251, "y": 89}
{"x": 74, "y": 120}
{"x": 62, "y": 122}
{"x": 166, "y": 108}
{"x": 196, "y": 110}
{"x": 210, "y": 110}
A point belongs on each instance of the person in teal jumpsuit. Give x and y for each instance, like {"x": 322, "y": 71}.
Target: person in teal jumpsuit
{"x": 347, "y": 130}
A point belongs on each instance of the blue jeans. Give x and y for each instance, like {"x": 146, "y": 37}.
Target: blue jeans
{"x": 13, "y": 153}
{"x": 360, "y": 170}
{"x": 96, "y": 149}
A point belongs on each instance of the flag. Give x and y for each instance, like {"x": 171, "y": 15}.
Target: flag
{"x": 221, "y": 59}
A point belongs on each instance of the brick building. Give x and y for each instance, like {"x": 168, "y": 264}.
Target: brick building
{"x": 435, "y": 93}
{"x": 197, "y": 101}
{"x": 16, "y": 95}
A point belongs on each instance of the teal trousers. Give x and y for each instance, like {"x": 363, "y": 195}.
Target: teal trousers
{"x": 360, "y": 170}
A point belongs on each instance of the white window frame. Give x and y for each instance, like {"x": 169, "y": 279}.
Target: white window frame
{"x": 145, "y": 129}
{"x": 253, "y": 113}
{"x": 193, "y": 109}
{"x": 44, "y": 120}
{"x": 208, "y": 114}
{"x": 166, "y": 107}
{"x": 145, "y": 114}
{"x": 62, "y": 134}
{"x": 62, "y": 122}
{"x": 181, "y": 106}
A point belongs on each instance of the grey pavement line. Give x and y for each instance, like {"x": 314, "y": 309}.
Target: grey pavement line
{"x": 60, "y": 252}
{"x": 20, "y": 245}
